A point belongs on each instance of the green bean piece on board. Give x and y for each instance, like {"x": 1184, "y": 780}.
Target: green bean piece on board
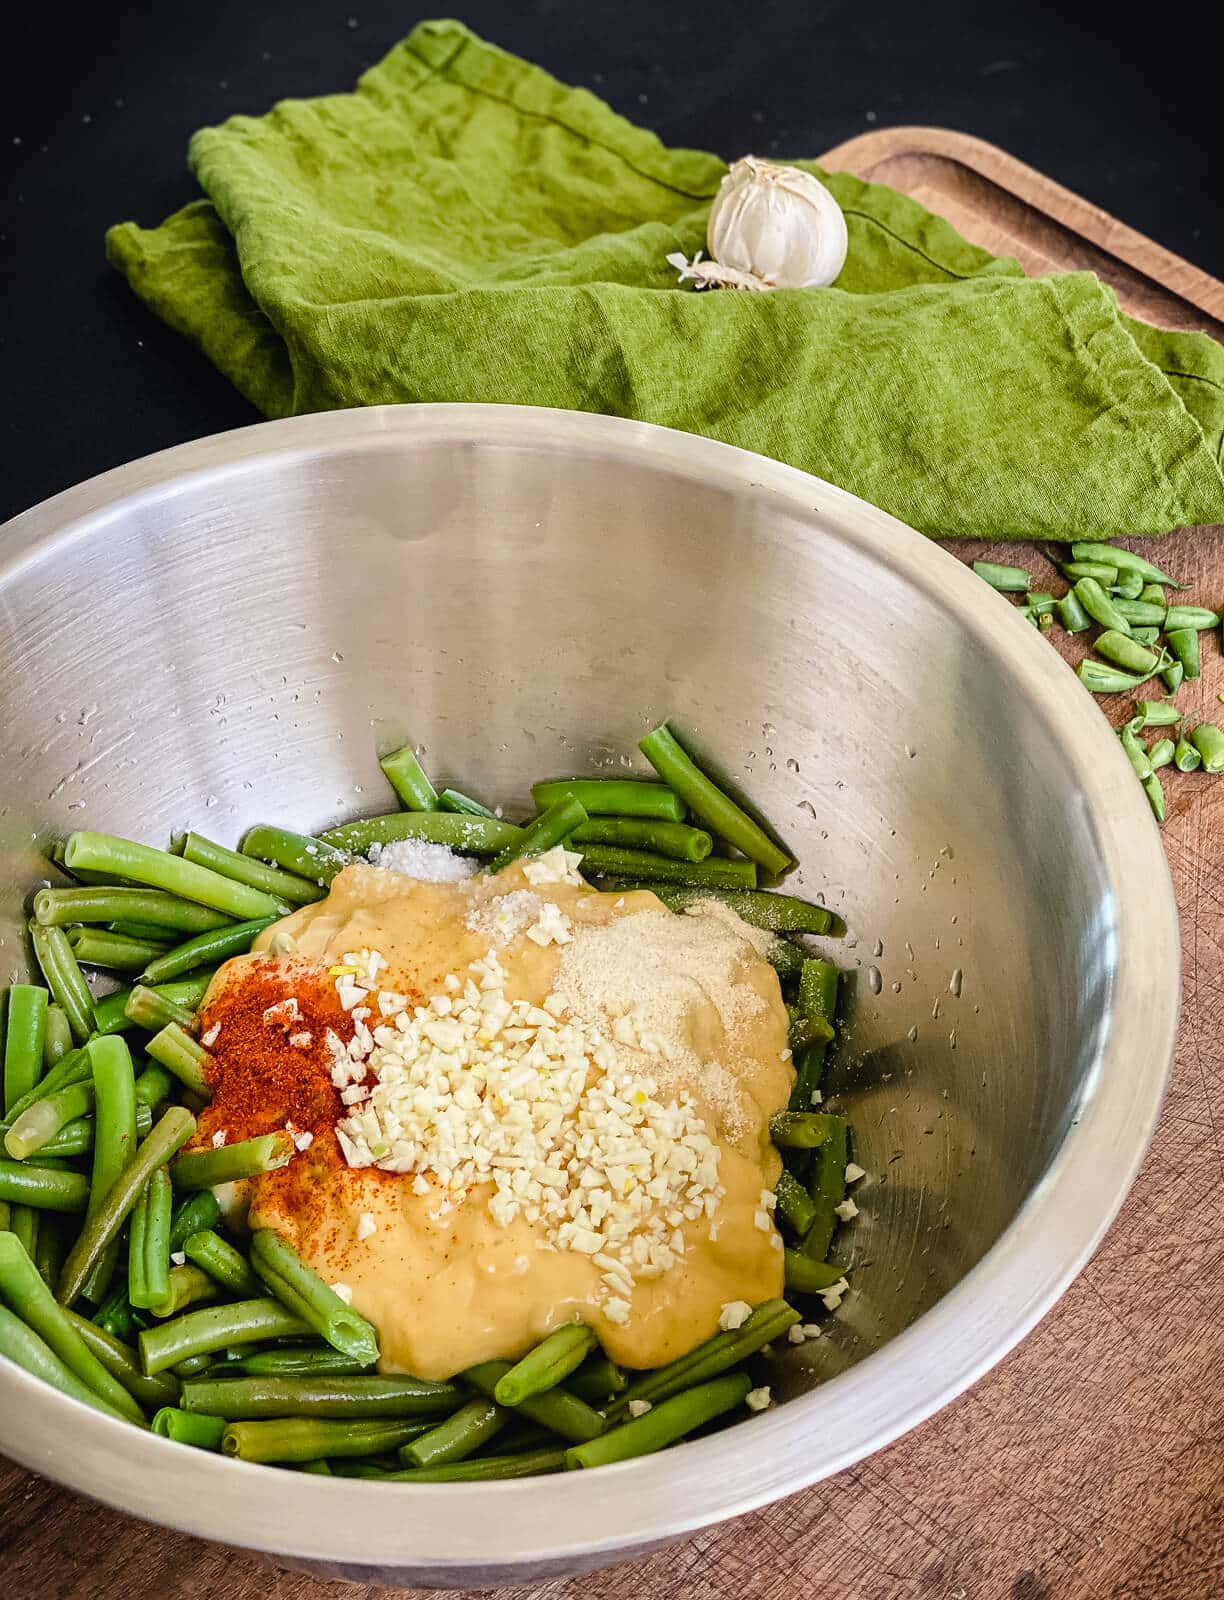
{"x": 1100, "y": 607}
{"x": 1183, "y": 645}
{"x": 1124, "y": 560}
{"x": 1186, "y": 757}
{"x": 1154, "y": 790}
{"x": 1071, "y": 614}
{"x": 1007, "y": 580}
{"x": 1209, "y": 742}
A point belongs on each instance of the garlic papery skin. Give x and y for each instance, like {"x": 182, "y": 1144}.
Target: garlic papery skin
{"x": 777, "y": 225}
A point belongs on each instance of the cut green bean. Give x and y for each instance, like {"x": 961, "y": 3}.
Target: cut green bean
{"x": 785, "y": 958}
{"x": 1071, "y": 614}
{"x": 159, "y": 869}
{"x": 1156, "y": 714}
{"x": 217, "y": 946}
{"x": 1126, "y": 652}
{"x": 806, "y": 1029}
{"x": 557, "y": 1410}
{"x": 163, "y": 937}
{"x": 1160, "y": 753}
{"x": 1183, "y": 645}
{"x": 297, "y": 853}
{"x": 461, "y": 1435}
{"x": 57, "y": 1037}
{"x": 120, "y": 1361}
{"x": 1148, "y": 636}
{"x": 38, "y": 1124}
{"x": 200, "y": 1333}
{"x": 760, "y": 908}
{"x": 216, "y": 1256}
{"x": 1177, "y": 618}
{"x": 549, "y": 1364}
{"x": 1155, "y": 792}
{"x": 289, "y": 888}
{"x": 1209, "y": 742}
{"x": 716, "y": 872}
{"x": 707, "y": 801}
{"x": 1152, "y": 594}
{"x": 827, "y": 1187}
{"x": 1007, "y": 580}
{"x": 1124, "y": 560}
{"x": 1136, "y": 754}
{"x": 713, "y": 1356}
{"x": 809, "y": 1070}
{"x": 1102, "y": 572}
{"x": 110, "y": 1015}
{"x": 153, "y": 1086}
{"x": 66, "y": 981}
{"x": 114, "y": 1081}
{"x": 530, "y": 1464}
{"x": 252, "y": 1398}
{"x": 175, "y": 1049}
{"x": 675, "y": 839}
{"x": 801, "y": 1130}
{"x": 72, "y": 1068}
{"x": 550, "y": 828}
{"x": 407, "y": 777}
{"x": 1098, "y": 679}
{"x": 45, "y": 1189}
{"x": 24, "y": 1036}
{"x": 24, "y": 1347}
{"x": 300, "y": 1361}
{"x": 615, "y": 797}
{"x": 186, "y": 1285}
{"x": 666, "y": 1422}
{"x": 153, "y": 907}
{"x": 1099, "y": 606}
{"x": 453, "y": 800}
{"x": 23, "y": 1222}
{"x": 1039, "y": 601}
{"x": 795, "y": 1205}
{"x": 50, "y": 1248}
{"x": 597, "y": 1380}
{"x": 149, "y": 1009}
{"x": 103, "y": 1224}
{"x": 1129, "y": 586}
{"x": 76, "y": 1138}
{"x": 185, "y": 1427}
{"x": 23, "y": 1288}
{"x": 137, "y": 1289}
{"x": 300, "y": 1288}
{"x": 807, "y": 1276}
{"x": 473, "y": 836}
{"x": 248, "y": 1158}
{"x": 310, "y": 1438}
{"x": 198, "y": 1213}
{"x": 1185, "y": 757}
{"x": 159, "y": 1204}
{"x": 1173, "y": 676}
{"x": 95, "y": 947}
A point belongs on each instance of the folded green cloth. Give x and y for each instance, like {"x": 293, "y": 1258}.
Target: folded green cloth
{"x": 465, "y": 228}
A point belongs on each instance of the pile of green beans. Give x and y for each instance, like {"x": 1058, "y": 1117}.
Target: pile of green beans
{"x": 1143, "y": 636}
{"x": 122, "y": 1285}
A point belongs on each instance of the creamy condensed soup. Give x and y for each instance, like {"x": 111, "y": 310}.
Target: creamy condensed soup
{"x": 517, "y": 1102}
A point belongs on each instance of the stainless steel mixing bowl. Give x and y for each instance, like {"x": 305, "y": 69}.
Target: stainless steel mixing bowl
{"x": 226, "y": 633}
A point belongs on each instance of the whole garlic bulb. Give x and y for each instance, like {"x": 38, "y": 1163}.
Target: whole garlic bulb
{"x": 770, "y": 227}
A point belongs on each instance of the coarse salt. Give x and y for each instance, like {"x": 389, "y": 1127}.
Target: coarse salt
{"x": 422, "y": 860}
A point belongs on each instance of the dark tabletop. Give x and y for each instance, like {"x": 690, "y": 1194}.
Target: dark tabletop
{"x": 98, "y": 106}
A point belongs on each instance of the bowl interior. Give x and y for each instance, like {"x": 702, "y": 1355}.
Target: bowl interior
{"x": 236, "y": 644}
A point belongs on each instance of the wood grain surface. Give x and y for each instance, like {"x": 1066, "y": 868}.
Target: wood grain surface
{"x": 1090, "y": 1464}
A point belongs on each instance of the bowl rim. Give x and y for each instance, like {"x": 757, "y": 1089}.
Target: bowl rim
{"x": 638, "y": 1504}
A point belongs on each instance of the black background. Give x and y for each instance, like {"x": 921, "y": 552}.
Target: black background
{"x": 97, "y": 108}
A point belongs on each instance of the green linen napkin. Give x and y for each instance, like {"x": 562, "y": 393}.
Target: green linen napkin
{"x": 463, "y": 227}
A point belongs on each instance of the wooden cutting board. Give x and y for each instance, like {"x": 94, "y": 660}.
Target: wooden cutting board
{"x": 1090, "y": 1464}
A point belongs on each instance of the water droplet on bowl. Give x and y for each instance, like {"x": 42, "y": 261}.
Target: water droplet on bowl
{"x": 912, "y": 1036}
{"x": 877, "y": 948}
{"x": 874, "y": 981}
{"x": 791, "y": 764}
{"x": 955, "y": 982}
